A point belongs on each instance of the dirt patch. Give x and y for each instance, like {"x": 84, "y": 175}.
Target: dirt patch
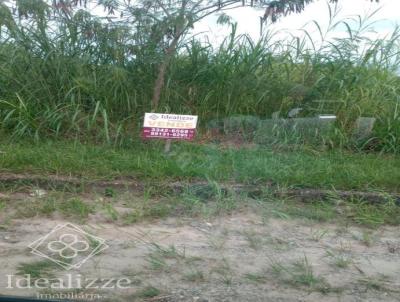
{"x": 57, "y": 182}
{"x": 240, "y": 257}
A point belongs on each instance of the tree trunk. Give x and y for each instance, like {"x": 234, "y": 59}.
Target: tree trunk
{"x": 159, "y": 83}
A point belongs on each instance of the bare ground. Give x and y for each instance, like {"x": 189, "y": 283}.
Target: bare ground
{"x": 244, "y": 256}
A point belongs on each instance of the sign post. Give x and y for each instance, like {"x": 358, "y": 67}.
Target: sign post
{"x": 167, "y": 146}
{"x": 169, "y": 127}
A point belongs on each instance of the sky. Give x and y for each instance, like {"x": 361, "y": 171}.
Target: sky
{"x": 386, "y": 19}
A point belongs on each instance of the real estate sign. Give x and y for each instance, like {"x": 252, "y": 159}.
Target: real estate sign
{"x": 169, "y": 126}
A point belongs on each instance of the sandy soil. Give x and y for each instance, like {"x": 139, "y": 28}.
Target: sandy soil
{"x": 242, "y": 257}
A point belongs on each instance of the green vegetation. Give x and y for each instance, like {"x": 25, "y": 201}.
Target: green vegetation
{"x": 38, "y": 269}
{"x": 91, "y": 79}
{"x": 357, "y": 212}
{"x": 148, "y": 292}
{"x": 165, "y": 259}
{"x": 300, "y": 273}
{"x": 194, "y": 276}
{"x": 224, "y": 272}
{"x": 378, "y": 283}
{"x": 72, "y": 208}
{"x": 340, "y": 260}
{"x": 303, "y": 168}
{"x": 256, "y": 277}
{"x": 75, "y": 207}
{"x": 176, "y": 205}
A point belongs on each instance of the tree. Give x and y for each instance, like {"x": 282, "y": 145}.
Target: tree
{"x": 277, "y": 8}
{"x": 175, "y": 18}
{"x": 160, "y": 24}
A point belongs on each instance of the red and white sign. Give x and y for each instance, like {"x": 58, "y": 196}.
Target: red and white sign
{"x": 169, "y": 126}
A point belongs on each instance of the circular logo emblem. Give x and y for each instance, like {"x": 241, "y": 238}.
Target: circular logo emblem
{"x": 68, "y": 246}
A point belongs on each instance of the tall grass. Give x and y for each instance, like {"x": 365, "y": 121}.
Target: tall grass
{"x": 91, "y": 80}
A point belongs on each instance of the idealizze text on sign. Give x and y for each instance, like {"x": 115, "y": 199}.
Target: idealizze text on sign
{"x": 169, "y": 126}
